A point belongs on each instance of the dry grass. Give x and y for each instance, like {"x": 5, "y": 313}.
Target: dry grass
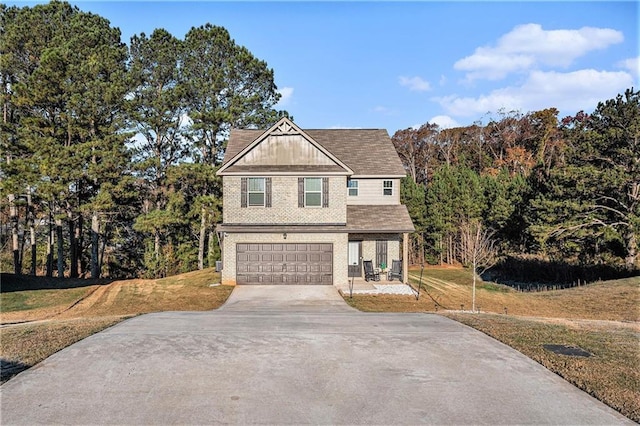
{"x": 611, "y": 374}
{"x": 450, "y": 289}
{"x": 25, "y": 345}
{"x": 45, "y": 321}
{"x": 601, "y": 318}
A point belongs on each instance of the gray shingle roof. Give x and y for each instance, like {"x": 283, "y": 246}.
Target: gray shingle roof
{"x": 391, "y": 219}
{"x": 387, "y": 218}
{"x": 368, "y": 152}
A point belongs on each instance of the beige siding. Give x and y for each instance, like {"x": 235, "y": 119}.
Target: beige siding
{"x": 339, "y": 242}
{"x": 370, "y": 193}
{"x": 284, "y": 204}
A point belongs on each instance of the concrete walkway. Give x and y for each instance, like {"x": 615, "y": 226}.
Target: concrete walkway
{"x": 291, "y": 355}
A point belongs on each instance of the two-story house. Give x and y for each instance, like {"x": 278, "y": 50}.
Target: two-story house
{"x": 306, "y": 207}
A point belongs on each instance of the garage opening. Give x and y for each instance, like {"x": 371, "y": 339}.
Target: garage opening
{"x": 284, "y": 263}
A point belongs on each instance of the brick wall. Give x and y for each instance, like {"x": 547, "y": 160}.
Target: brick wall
{"x": 284, "y": 203}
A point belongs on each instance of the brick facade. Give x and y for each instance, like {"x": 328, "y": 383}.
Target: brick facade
{"x": 285, "y": 204}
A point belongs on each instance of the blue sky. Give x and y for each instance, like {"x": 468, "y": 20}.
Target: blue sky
{"x": 395, "y": 65}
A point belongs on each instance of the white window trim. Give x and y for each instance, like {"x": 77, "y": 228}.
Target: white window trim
{"x": 312, "y": 192}
{"x": 349, "y": 188}
{"x": 263, "y": 192}
{"x": 384, "y": 188}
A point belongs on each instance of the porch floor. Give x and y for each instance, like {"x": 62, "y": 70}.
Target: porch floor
{"x": 384, "y": 286}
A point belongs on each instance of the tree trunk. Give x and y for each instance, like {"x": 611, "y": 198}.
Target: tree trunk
{"x": 203, "y": 235}
{"x": 473, "y": 293}
{"x": 32, "y": 233}
{"x": 79, "y": 244}
{"x": 104, "y": 246}
{"x": 211, "y": 248}
{"x": 15, "y": 244}
{"x": 73, "y": 247}
{"x": 631, "y": 244}
{"x": 95, "y": 233}
{"x": 50, "y": 246}
{"x": 60, "y": 244}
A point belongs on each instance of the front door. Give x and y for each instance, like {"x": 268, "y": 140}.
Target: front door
{"x": 355, "y": 260}
{"x": 381, "y": 253}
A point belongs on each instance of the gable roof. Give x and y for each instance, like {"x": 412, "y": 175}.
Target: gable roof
{"x": 283, "y": 148}
{"x": 367, "y": 152}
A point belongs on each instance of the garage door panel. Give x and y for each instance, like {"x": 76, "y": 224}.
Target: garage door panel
{"x": 280, "y": 263}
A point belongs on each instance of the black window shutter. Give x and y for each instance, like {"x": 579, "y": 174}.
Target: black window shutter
{"x": 243, "y": 192}
{"x": 267, "y": 190}
{"x": 325, "y": 192}
{"x": 300, "y": 192}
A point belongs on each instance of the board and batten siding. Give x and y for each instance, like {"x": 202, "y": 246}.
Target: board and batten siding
{"x": 370, "y": 192}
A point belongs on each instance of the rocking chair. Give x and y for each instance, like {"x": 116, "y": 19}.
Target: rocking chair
{"x": 369, "y": 272}
{"x": 395, "y": 271}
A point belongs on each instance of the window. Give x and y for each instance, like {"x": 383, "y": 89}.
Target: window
{"x": 387, "y": 187}
{"x": 352, "y": 186}
{"x": 313, "y": 192}
{"x": 255, "y": 191}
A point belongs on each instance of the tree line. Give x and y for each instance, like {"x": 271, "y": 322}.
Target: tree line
{"x": 559, "y": 190}
{"x": 109, "y": 151}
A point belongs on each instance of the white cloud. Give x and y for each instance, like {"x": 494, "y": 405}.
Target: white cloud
{"x": 569, "y": 92}
{"x": 631, "y": 64}
{"x": 286, "y": 94}
{"x": 444, "y": 122}
{"x": 528, "y": 46}
{"x": 415, "y": 84}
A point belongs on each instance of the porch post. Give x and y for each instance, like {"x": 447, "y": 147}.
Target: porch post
{"x": 405, "y": 258}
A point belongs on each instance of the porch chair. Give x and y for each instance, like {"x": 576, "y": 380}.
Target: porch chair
{"x": 369, "y": 272}
{"x": 395, "y": 271}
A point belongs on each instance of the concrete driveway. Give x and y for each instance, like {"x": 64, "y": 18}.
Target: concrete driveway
{"x": 292, "y": 355}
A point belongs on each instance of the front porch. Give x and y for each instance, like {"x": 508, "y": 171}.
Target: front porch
{"x": 384, "y": 286}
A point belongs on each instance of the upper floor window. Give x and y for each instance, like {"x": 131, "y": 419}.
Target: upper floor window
{"x": 387, "y": 187}
{"x": 256, "y": 191}
{"x": 352, "y": 186}
{"x": 313, "y": 192}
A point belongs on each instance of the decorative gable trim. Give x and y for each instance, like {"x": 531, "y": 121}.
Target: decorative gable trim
{"x": 283, "y": 127}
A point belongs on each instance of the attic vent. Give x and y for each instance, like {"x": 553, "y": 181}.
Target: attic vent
{"x": 285, "y": 128}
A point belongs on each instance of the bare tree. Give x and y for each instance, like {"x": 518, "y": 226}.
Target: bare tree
{"x": 477, "y": 248}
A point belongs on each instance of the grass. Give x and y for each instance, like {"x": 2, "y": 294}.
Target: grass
{"x": 47, "y": 320}
{"x": 39, "y": 299}
{"x": 601, "y": 318}
{"x": 27, "y": 344}
{"x": 610, "y": 374}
